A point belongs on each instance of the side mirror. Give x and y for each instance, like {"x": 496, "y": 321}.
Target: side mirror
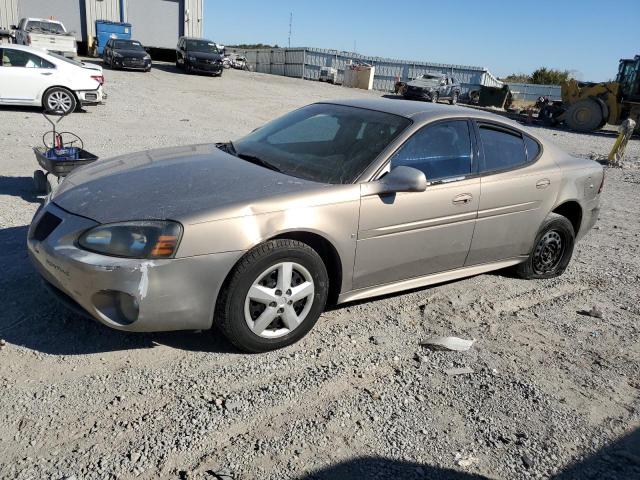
{"x": 400, "y": 179}
{"x": 14, "y": 27}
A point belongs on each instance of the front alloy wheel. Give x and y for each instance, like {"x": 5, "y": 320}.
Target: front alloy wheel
{"x": 279, "y": 300}
{"x": 273, "y": 296}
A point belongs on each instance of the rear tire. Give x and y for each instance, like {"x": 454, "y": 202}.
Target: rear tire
{"x": 584, "y": 116}
{"x": 552, "y": 249}
{"x": 284, "y": 320}
{"x": 59, "y": 101}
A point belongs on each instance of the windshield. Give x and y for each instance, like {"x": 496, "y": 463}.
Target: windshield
{"x": 127, "y": 45}
{"x": 68, "y": 60}
{"x": 323, "y": 142}
{"x": 204, "y": 46}
{"x": 44, "y": 26}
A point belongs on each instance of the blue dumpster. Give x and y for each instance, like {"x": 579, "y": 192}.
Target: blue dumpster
{"x": 106, "y": 30}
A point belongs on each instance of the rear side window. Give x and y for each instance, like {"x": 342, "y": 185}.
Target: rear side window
{"x": 533, "y": 148}
{"x": 441, "y": 151}
{"x": 20, "y": 58}
{"x": 502, "y": 149}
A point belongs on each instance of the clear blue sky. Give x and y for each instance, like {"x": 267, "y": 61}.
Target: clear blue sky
{"x": 588, "y": 36}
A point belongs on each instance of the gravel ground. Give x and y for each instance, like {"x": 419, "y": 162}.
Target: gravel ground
{"x": 554, "y": 392}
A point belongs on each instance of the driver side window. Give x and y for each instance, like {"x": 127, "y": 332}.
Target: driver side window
{"x": 441, "y": 151}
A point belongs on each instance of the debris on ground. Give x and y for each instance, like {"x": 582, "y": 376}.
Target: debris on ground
{"x": 595, "y": 312}
{"x": 448, "y": 343}
{"x": 458, "y": 371}
{"x": 465, "y": 462}
{"x": 527, "y": 461}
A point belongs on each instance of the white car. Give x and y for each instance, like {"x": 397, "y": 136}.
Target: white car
{"x": 31, "y": 76}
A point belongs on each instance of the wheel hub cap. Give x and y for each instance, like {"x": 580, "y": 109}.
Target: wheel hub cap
{"x": 548, "y": 252}
{"x": 59, "y": 102}
{"x": 279, "y": 300}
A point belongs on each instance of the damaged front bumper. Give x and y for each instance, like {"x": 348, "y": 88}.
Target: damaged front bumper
{"x": 125, "y": 294}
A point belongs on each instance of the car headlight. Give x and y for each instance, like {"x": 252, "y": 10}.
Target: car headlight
{"x": 117, "y": 55}
{"x": 141, "y": 239}
{"x": 147, "y": 57}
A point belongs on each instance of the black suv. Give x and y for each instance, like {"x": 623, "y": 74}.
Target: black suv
{"x": 126, "y": 54}
{"x": 432, "y": 87}
{"x": 198, "y": 55}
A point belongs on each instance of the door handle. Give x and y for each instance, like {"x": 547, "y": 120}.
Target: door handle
{"x": 46, "y": 73}
{"x": 463, "y": 199}
{"x": 543, "y": 183}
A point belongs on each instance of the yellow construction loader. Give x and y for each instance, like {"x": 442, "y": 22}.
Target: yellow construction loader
{"x": 586, "y": 107}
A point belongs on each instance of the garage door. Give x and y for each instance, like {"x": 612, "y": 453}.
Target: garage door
{"x": 155, "y": 23}
{"x": 65, "y": 11}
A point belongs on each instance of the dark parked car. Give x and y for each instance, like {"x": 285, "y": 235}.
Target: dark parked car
{"x": 126, "y": 54}
{"x": 433, "y": 88}
{"x": 199, "y": 55}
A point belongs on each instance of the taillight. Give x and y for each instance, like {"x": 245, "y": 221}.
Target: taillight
{"x": 28, "y": 39}
{"x": 98, "y": 78}
{"x": 601, "y": 184}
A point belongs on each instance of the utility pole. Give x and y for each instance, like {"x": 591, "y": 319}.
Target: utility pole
{"x": 290, "y": 22}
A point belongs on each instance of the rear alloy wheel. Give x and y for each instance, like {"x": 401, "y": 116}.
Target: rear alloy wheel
{"x": 584, "y": 116}
{"x": 59, "y": 101}
{"x": 552, "y": 249}
{"x": 434, "y": 97}
{"x": 274, "y": 296}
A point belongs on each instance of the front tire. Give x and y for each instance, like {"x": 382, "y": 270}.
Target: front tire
{"x": 59, "y": 101}
{"x": 551, "y": 251}
{"x": 273, "y": 297}
{"x": 454, "y": 98}
{"x": 434, "y": 97}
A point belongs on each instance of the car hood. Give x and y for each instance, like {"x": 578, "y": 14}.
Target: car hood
{"x": 194, "y": 183}
{"x": 204, "y": 55}
{"x": 424, "y": 83}
{"x": 132, "y": 53}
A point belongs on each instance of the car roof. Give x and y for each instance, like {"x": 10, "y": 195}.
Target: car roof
{"x": 422, "y": 111}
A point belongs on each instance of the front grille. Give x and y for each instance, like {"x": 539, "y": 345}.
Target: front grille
{"x": 133, "y": 62}
{"x": 47, "y": 224}
{"x": 207, "y": 61}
